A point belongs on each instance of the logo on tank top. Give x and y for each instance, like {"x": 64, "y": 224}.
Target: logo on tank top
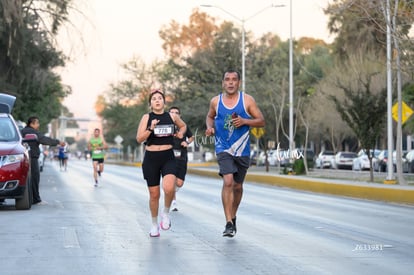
{"x": 228, "y": 125}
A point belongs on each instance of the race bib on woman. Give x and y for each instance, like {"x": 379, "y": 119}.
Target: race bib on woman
{"x": 164, "y": 130}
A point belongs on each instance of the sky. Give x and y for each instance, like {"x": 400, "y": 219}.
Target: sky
{"x": 104, "y": 34}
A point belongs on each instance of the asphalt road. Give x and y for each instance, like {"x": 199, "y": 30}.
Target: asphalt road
{"x": 104, "y": 230}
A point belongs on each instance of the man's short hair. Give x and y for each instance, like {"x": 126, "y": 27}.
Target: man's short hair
{"x": 175, "y": 108}
{"x": 231, "y": 71}
{"x": 31, "y": 120}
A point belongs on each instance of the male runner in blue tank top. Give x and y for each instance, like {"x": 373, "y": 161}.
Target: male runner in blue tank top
{"x": 229, "y": 118}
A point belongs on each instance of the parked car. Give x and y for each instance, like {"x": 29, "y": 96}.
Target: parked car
{"x": 409, "y": 162}
{"x": 381, "y": 163}
{"x": 272, "y": 158}
{"x": 41, "y": 158}
{"x": 403, "y": 161}
{"x": 261, "y": 159}
{"x": 14, "y": 158}
{"x": 310, "y": 156}
{"x": 361, "y": 162}
{"x": 324, "y": 159}
{"x": 254, "y": 154}
{"x": 278, "y": 157}
{"x": 343, "y": 160}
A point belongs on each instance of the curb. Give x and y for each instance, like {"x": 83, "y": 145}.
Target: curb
{"x": 369, "y": 191}
{"x": 364, "y": 191}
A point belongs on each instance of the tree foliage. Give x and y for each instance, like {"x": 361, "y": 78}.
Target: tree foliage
{"x": 123, "y": 105}
{"x": 361, "y": 104}
{"x": 363, "y": 109}
{"x": 184, "y": 41}
{"x": 329, "y": 93}
{"x": 28, "y": 56}
{"x": 358, "y": 25}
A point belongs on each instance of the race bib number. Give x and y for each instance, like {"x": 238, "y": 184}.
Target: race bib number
{"x": 164, "y": 130}
{"x": 177, "y": 153}
{"x": 97, "y": 151}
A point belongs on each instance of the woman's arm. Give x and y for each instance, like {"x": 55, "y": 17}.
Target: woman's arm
{"x": 182, "y": 127}
{"x": 142, "y": 132}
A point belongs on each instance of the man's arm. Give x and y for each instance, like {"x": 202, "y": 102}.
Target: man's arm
{"x": 257, "y": 119}
{"x": 104, "y": 144}
{"x": 210, "y": 116}
{"x": 42, "y": 139}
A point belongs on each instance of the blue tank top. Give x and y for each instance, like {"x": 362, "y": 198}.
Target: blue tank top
{"x": 235, "y": 141}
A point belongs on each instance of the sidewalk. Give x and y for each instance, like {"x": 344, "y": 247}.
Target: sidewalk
{"x": 350, "y": 188}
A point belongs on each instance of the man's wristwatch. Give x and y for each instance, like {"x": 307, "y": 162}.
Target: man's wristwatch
{"x": 149, "y": 129}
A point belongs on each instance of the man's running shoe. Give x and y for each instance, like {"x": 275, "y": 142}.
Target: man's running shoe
{"x": 99, "y": 173}
{"x": 155, "y": 231}
{"x": 96, "y": 183}
{"x": 165, "y": 222}
{"x": 174, "y": 205}
{"x": 234, "y": 225}
{"x": 229, "y": 230}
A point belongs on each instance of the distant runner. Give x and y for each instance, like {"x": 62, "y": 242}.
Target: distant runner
{"x": 96, "y": 146}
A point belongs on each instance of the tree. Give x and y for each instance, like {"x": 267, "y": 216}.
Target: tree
{"x": 183, "y": 41}
{"x": 357, "y": 26}
{"x": 123, "y": 120}
{"x": 124, "y": 103}
{"x": 269, "y": 82}
{"x": 28, "y": 56}
{"x": 361, "y": 104}
{"x": 193, "y": 80}
{"x": 313, "y": 63}
{"x": 408, "y": 97}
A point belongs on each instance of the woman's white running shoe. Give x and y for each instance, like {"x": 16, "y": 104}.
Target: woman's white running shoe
{"x": 165, "y": 222}
{"x": 155, "y": 232}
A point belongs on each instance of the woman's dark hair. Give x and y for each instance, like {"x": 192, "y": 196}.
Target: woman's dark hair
{"x": 156, "y": 91}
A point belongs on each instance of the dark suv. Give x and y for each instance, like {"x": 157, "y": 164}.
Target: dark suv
{"x": 14, "y": 158}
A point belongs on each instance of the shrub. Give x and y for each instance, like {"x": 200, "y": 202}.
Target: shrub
{"x": 299, "y": 167}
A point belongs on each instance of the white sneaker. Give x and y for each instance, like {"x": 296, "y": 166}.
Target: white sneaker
{"x": 155, "y": 232}
{"x": 165, "y": 222}
{"x": 174, "y": 205}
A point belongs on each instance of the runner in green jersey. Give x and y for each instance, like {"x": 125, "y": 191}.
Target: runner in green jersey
{"x": 96, "y": 146}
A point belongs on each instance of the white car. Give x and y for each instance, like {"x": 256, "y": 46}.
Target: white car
{"x": 324, "y": 159}
{"x": 343, "y": 160}
{"x": 41, "y": 158}
{"x": 361, "y": 162}
{"x": 409, "y": 162}
{"x": 278, "y": 157}
{"x": 261, "y": 159}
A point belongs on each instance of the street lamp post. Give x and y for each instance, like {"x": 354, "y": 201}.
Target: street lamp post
{"x": 291, "y": 141}
{"x": 243, "y": 21}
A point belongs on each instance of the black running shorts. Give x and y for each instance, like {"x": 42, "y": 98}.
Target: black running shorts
{"x": 157, "y": 164}
{"x": 229, "y": 164}
{"x": 181, "y": 168}
{"x": 99, "y": 160}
